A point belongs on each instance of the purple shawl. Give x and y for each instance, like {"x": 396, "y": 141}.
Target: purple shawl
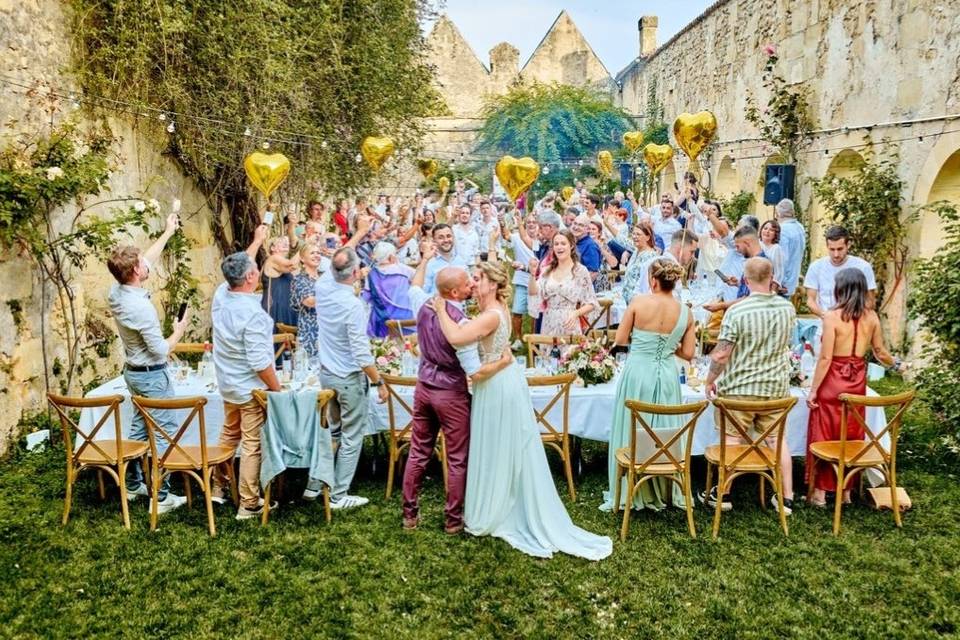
{"x": 388, "y": 294}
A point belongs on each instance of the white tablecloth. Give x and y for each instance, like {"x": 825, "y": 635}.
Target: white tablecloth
{"x": 591, "y": 412}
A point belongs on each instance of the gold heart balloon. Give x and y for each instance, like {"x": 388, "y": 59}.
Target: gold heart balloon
{"x": 376, "y": 150}
{"x": 657, "y": 156}
{"x": 516, "y": 174}
{"x": 605, "y": 163}
{"x": 567, "y": 193}
{"x": 694, "y": 132}
{"x": 632, "y": 140}
{"x": 266, "y": 172}
{"x": 444, "y": 184}
{"x": 428, "y": 167}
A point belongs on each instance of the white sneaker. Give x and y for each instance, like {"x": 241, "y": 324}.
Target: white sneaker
{"x": 787, "y": 504}
{"x": 170, "y": 503}
{"x": 141, "y": 490}
{"x": 349, "y": 502}
{"x": 247, "y": 514}
{"x": 313, "y": 489}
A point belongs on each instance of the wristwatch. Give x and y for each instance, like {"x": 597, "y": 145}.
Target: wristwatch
{"x": 378, "y": 383}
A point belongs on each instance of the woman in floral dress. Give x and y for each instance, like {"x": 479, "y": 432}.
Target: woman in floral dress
{"x": 563, "y": 293}
{"x": 302, "y": 297}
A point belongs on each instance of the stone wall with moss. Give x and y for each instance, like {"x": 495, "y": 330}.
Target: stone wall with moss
{"x": 35, "y": 41}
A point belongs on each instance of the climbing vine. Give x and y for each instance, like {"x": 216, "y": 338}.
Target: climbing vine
{"x": 311, "y": 79}
{"x": 784, "y": 121}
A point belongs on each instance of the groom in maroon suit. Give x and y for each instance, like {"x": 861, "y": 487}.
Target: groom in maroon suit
{"x": 440, "y": 401}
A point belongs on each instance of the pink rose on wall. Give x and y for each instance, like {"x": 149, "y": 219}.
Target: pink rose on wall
{"x": 770, "y": 50}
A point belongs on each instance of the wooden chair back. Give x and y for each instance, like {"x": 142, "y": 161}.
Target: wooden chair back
{"x": 663, "y": 456}
{"x": 63, "y": 405}
{"x": 324, "y": 396}
{"x": 851, "y": 402}
{"x": 534, "y": 340}
{"x": 195, "y": 405}
{"x": 606, "y": 336}
{"x": 291, "y": 329}
{"x": 187, "y": 347}
{"x": 779, "y": 408}
{"x": 606, "y": 311}
{"x": 614, "y": 274}
{"x": 557, "y": 437}
{"x": 396, "y": 328}
{"x": 394, "y": 402}
{"x": 284, "y": 342}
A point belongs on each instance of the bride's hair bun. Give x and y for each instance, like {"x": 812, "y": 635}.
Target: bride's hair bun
{"x": 499, "y": 276}
{"x": 666, "y": 272}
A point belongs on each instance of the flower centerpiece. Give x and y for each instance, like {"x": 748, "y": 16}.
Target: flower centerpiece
{"x": 796, "y": 373}
{"x": 591, "y": 361}
{"x": 387, "y": 355}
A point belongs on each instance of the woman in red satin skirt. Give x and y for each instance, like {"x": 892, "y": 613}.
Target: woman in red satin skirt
{"x": 849, "y": 330}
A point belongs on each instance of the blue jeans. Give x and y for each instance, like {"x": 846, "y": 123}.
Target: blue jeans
{"x": 152, "y": 384}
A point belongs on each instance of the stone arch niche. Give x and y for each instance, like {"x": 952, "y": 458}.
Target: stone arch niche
{"x": 764, "y": 211}
{"x": 845, "y": 165}
{"x": 667, "y": 177}
{"x": 727, "y": 182}
{"x": 930, "y": 233}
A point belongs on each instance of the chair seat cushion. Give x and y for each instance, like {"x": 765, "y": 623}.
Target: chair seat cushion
{"x": 656, "y": 469}
{"x": 753, "y": 461}
{"x": 830, "y": 450}
{"x": 131, "y": 449}
{"x": 188, "y": 457}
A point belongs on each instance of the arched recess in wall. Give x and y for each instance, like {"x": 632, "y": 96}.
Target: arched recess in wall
{"x": 764, "y": 211}
{"x": 667, "y": 178}
{"x": 845, "y": 165}
{"x": 938, "y": 180}
{"x": 727, "y": 182}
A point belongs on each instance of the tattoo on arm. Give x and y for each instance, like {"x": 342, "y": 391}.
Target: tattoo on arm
{"x": 721, "y": 351}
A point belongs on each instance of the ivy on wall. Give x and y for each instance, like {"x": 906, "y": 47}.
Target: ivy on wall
{"x": 326, "y": 73}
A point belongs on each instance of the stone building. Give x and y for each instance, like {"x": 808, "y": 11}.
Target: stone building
{"x": 882, "y": 75}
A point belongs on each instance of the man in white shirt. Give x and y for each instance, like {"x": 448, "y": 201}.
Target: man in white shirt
{"x": 523, "y": 253}
{"x": 682, "y": 248}
{"x": 347, "y": 367}
{"x": 466, "y": 238}
{"x": 243, "y": 358}
{"x": 667, "y": 225}
{"x": 446, "y": 256}
{"x": 488, "y": 228}
{"x": 819, "y": 281}
{"x": 145, "y": 350}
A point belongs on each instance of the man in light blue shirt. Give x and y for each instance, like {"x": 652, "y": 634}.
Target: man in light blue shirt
{"x": 793, "y": 241}
{"x": 347, "y": 367}
{"x": 446, "y": 257}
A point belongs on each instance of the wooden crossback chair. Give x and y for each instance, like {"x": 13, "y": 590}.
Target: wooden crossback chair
{"x": 106, "y": 456}
{"x": 284, "y": 342}
{"x": 187, "y": 347}
{"x": 324, "y": 396}
{"x": 848, "y": 457}
{"x": 396, "y": 328}
{"x": 558, "y": 438}
{"x": 290, "y": 329}
{"x": 191, "y": 461}
{"x": 615, "y": 274}
{"x": 641, "y": 463}
{"x": 534, "y": 340}
{"x": 608, "y": 335}
{"x": 398, "y": 441}
{"x": 606, "y": 311}
{"x": 754, "y": 457}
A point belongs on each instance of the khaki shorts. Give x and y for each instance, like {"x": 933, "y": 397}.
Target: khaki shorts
{"x": 754, "y": 422}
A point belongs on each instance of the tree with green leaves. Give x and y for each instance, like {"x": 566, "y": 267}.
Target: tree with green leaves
{"x": 553, "y": 124}
{"x": 311, "y": 79}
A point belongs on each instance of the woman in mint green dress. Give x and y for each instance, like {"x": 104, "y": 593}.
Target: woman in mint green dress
{"x": 658, "y": 328}
{"x": 510, "y": 493}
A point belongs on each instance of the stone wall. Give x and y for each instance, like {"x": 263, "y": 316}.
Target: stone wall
{"x": 35, "y": 40}
{"x": 863, "y": 62}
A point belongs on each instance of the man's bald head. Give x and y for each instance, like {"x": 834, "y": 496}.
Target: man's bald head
{"x": 454, "y": 283}
{"x": 758, "y": 272}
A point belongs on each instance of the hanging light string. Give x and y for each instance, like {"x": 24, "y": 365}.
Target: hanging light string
{"x": 266, "y": 136}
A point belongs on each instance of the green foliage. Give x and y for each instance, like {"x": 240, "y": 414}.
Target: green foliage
{"x": 181, "y": 285}
{"x": 552, "y": 123}
{"x": 479, "y": 173}
{"x": 868, "y": 205}
{"x": 330, "y": 72}
{"x": 935, "y": 300}
{"x": 736, "y": 206}
{"x": 785, "y": 121}
{"x": 40, "y": 174}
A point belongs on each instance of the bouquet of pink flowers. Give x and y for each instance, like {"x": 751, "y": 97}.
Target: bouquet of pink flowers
{"x": 591, "y": 361}
{"x": 387, "y": 355}
{"x": 796, "y": 374}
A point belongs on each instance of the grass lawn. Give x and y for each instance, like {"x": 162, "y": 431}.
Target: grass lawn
{"x": 362, "y": 576}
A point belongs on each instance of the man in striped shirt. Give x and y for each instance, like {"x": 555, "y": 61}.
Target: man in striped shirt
{"x": 751, "y": 358}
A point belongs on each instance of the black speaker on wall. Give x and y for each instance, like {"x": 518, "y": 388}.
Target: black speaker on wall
{"x": 779, "y": 183}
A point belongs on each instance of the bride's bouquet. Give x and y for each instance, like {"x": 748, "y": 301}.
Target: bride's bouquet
{"x": 591, "y": 361}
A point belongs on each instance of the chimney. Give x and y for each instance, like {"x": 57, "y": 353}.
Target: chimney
{"x": 648, "y": 35}
{"x": 505, "y": 60}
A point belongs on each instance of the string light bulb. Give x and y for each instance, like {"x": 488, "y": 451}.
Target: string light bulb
{"x": 546, "y": 171}
{"x": 162, "y": 117}
{"x": 247, "y": 132}
{"x": 358, "y": 158}
{"x": 171, "y": 127}
{"x": 323, "y": 144}
{"x": 265, "y": 145}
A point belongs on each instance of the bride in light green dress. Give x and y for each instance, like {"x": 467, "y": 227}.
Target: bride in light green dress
{"x": 511, "y": 493}
{"x": 658, "y": 328}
